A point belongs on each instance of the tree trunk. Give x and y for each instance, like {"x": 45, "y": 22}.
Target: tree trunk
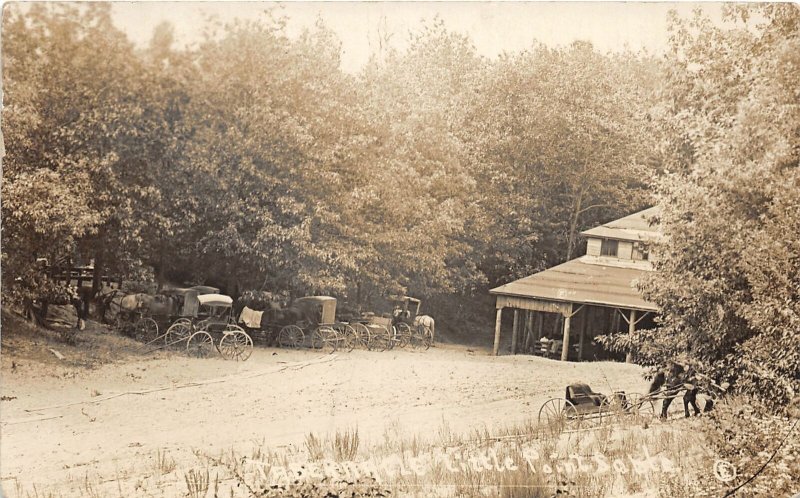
{"x": 160, "y": 271}
{"x": 573, "y": 225}
{"x": 97, "y": 276}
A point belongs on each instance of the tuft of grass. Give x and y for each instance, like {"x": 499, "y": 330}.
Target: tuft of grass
{"x": 314, "y": 447}
{"x": 345, "y": 445}
{"x": 197, "y": 482}
{"x": 258, "y": 448}
{"x": 88, "y": 487}
{"x": 164, "y": 464}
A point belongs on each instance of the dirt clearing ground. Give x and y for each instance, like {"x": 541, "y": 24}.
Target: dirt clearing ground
{"x": 62, "y": 423}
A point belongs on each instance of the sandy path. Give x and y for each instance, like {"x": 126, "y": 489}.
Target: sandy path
{"x": 405, "y": 391}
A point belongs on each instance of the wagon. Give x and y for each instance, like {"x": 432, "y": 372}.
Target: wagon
{"x": 581, "y": 405}
{"x": 215, "y": 329}
{"x": 177, "y": 313}
{"x": 134, "y": 317}
{"x": 143, "y": 316}
{"x": 398, "y": 329}
{"x": 406, "y": 329}
{"x": 316, "y": 326}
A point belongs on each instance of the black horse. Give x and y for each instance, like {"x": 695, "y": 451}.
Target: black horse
{"x": 673, "y": 379}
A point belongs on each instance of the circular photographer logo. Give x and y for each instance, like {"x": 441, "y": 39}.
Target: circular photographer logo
{"x": 724, "y": 471}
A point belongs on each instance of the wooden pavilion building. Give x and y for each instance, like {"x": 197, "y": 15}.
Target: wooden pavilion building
{"x": 586, "y": 296}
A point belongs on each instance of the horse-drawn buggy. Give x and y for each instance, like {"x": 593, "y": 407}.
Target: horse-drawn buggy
{"x": 403, "y": 327}
{"x": 138, "y": 315}
{"x": 197, "y": 318}
{"x": 215, "y": 328}
{"x": 143, "y": 316}
{"x": 581, "y": 404}
{"x": 307, "y": 322}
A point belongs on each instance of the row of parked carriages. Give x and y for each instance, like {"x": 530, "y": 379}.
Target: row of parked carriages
{"x": 205, "y": 322}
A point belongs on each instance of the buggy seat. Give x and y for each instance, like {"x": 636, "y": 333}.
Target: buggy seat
{"x": 582, "y": 394}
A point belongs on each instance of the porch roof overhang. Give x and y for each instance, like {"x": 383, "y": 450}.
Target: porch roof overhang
{"x": 575, "y": 282}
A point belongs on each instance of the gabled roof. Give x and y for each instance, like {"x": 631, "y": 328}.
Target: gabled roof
{"x": 632, "y": 227}
{"x": 579, "y": 281}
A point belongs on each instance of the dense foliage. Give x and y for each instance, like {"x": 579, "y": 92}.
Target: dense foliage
{"x": 251, "y": 161}
{"x": 728, "y": 278}
{"x": 741, "y": 431}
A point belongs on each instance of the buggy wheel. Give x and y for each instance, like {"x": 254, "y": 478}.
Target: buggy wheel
{"x": 421, "y": 338}
{"x": 235, "y": 344}
{"x": 558, "y": 414}
{"x": 200, "y": 345}
{"x": 291, "y": 336}
{"x": 178, "y": 332}
{"x": 187, "y": 321}
{"x": 379, "y": 339}
{"x": 324, "y": 338}
{"x": 641, "y": 406}
{"x": 347, "y": 336}
{"x": 362, "y": 335}
{"x": 146, "y": 329}
{"x": 403, "y": 334}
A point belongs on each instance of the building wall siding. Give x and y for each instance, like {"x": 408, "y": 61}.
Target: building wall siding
{"x": 625, "y": 250}
{"x": 593, "y": 247}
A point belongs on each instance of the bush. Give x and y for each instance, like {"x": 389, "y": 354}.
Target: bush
{"x": 741, "y": 431}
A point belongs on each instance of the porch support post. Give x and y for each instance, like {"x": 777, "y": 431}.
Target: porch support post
{"x": 565, "y": 345}
{"x": 539, "y": 326}
{"x": 497, "y": 323}
{"x": 631, "y": 330}
{"x": 515, "y": 332}
{"x": 528, "y": 318}
{"x": 587, "y": 315}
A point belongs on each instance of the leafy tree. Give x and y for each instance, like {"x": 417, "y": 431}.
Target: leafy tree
{"x": 426, "y": 226}
{"x": 271, "y": 161}
{"x": 559, "y": 142}
{"x": 70, "y": 172}
{"x": 727, "y": 280}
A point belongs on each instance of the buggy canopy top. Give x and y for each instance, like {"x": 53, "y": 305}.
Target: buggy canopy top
{"x": 317, "y": 309}
{"x": 215, "y": 300}
{"x": 183, "y": 291}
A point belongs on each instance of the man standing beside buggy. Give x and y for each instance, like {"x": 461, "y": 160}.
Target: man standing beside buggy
{"x": 676, "y": 377}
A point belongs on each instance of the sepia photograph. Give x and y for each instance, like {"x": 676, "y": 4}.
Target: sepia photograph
{"x": 400, "y": 249}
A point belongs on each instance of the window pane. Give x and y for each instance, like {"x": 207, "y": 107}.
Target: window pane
{"x": 609, "y": 248}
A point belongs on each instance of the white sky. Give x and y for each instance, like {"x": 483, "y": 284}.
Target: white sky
{"x": 494, "y": 27}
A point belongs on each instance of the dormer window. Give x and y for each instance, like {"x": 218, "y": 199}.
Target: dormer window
{"x": 609, "y": 247}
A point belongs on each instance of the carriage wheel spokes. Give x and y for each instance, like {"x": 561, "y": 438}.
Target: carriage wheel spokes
{"x": 146, "y": 329}
{"x": 324, "y": 338}
{"x": 347, "y": 336}
{"x": 421, "y": 337}
{"x": 403, "y": 334}
{"x": 291, "y": 336}
{"x": 389, "y": 334}
{"x": 178, "y": 332}
{"x": 641, "y": 406}
{"x": 200, "y": 345}
{"x": 362, "y": 335}
{"x": 558, "y": 414}
{"x": 380, "y": 340}
{"x": 235, "y": 344}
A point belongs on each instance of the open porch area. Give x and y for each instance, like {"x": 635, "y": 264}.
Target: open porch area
{"x": 568, "y": 306}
